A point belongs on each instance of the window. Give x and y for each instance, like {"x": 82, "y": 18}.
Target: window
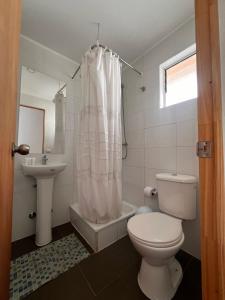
{"x": 179, "y": 78}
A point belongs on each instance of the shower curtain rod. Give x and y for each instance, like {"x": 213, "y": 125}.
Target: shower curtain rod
{"x": 107, "y": 49}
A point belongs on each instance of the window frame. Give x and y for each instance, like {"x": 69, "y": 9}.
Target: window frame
{"x": 176, "y": 59}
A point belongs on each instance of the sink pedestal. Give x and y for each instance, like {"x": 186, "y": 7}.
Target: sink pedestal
{"x": 44, "y": 175}
{"x": 44, "y": 211}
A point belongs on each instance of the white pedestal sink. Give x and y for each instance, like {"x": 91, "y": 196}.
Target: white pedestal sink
{"x": 44, "y": 175}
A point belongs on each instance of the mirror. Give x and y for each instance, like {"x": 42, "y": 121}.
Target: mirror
{"x": 41, "y": 112}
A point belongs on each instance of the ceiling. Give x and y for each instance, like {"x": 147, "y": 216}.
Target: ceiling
{"x": 129, "y": 27}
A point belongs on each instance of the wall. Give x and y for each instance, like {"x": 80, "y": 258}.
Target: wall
{"x": 159, "y": 140}
{"x": 44, "y": 60}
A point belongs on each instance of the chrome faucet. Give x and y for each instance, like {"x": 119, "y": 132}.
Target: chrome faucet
{"x": 44, "y": 159}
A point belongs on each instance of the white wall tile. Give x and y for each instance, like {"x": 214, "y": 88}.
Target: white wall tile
{"x": 24, "y": 202}
{"x": 160, "y": 158}
{"x": 23, "y": 226}
{"x": 23, "y": 183}
{"x": 133, "y": 185}
{"x": 134, "y": 121}
{"x": 66, "y": 176}
{"x": 62, "y": 199}
{"x": 133, "y": 194}
{"x": 161, "y": 136}
{"x": 187, "y": 133}
{"x": 133, "y": 103}
{"x": 186, "y": 110}
{"x": 135, "y": 139}
{"x": 135, "y": 157}
{"x": 160, "y": 116}
{"x": 133, "y": 175}
{"x": 187, "y": 161}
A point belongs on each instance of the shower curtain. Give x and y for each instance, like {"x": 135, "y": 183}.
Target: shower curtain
{"x": 99, "y": 156}
{"x": 59, "y": 143}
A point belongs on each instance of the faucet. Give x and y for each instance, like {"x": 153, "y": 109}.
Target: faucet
{"x": 44, "y": 159}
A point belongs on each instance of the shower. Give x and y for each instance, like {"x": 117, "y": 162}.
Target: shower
{"x": 99, "y": 155}
{"x": 102, "y": 134}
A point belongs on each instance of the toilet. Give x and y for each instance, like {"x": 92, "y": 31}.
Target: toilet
{"x": 158, "y": 236}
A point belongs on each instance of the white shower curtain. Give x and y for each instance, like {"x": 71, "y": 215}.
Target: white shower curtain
{"x": 99, "y": 160}
{"x": 59, "y": 143}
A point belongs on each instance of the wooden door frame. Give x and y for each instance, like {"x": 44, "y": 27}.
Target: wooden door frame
{"x": 10, "y": 12}
{"x": 211, "y": 170}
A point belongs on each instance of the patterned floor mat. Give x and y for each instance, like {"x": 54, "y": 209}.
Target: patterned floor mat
{"x": 32, "y": 270}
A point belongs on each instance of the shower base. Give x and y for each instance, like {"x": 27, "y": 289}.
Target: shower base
{"x": 99, "y": 236}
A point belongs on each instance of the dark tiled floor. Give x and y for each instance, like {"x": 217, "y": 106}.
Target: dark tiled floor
{"x": 27, "y": 244}
{"x": 112, "y": 274}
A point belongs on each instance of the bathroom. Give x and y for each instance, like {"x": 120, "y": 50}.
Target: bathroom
{"x": 110, "y": 196}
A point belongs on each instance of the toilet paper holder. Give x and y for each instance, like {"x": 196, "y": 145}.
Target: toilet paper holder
{"x": 154, "y": 192}
{"x": 150, "y": 191}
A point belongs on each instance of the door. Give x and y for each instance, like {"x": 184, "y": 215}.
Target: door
{"x": 211, "y": 169}
{"x": 9, "y": 41}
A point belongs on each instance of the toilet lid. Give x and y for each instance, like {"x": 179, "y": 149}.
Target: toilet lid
{"x": 155, "y": 228}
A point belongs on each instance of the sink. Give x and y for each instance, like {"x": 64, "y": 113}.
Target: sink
{"x": 41, "y": 171}
{"x": 44, "y": 175}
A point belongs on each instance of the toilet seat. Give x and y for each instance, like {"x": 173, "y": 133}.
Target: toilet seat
{"x": 155, "y": 229}
{"x": 155, "y": 245}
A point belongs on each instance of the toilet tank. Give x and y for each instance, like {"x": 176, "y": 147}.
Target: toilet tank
{"x": 177, "y": 195}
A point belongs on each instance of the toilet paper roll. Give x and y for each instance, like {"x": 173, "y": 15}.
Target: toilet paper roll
{"x": 148, "y": 191}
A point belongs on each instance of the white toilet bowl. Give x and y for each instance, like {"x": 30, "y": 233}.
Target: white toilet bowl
{"x": 157, "y": 237}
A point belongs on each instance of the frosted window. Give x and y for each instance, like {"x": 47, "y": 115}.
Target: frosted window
{"x": 179, "y": 80}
